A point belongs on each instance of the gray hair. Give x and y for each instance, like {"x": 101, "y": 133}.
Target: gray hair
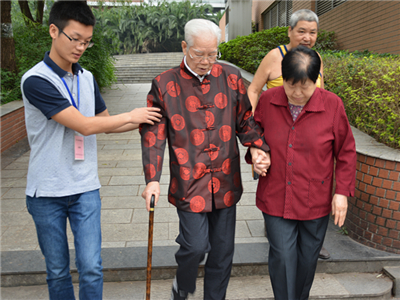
{"x": 303, "y": 15}
{"x": 198, "y": 27}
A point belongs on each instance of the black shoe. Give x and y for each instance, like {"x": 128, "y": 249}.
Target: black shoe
{"x": 324, "y": 254}
{"x": 176, "y": 293}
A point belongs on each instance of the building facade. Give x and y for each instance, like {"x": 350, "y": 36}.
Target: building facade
{"x": 372, "y": 25}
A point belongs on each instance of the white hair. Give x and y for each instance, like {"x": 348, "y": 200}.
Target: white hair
{"x": 198, "y": 27}
{"x": 303, "y": 15}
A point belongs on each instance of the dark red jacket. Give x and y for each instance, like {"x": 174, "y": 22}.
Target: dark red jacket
{"x": 200, "y": 121}
{"x": 299, "y": 182}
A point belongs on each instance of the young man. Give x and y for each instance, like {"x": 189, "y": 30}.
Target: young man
{"x": 63, "y": 112}
{"x": 205, "y": 107}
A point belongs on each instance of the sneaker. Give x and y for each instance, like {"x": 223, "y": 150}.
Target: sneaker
{"x": 176, "y": 293}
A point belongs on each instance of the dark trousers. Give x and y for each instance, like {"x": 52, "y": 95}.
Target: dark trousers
{"x": 201, "y": 233}
{"x": 293, "y": 254}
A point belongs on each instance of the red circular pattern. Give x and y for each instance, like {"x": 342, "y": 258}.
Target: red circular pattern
{"x": 173, "y": 89}
{"x": 181, "y": 155}
{"x": 213, "y": 154}
{"x": 149, "y": 139}
{"x": 158, "y": 78}
{"x": 197, "y": 204}
{"x": 185, "y": 75}
{"x": 173, "y": 186}
{"x": 205, "y": 88}
{"x": 242, "y": 88}
{"x": 197, "y": 137}
{"x": 221, "y": 101}
{"x": 258, "y": 143}
{"x": 225, "y": 133}
{"x": 171, "y": 200}
{"x": 149, "y": 171}
{"x": 198, "y": 170}
{"x": 150, "y": 99}
{"x": 159, "y": 163}
{"x": 209, "y": 119}
{"x": 216, "y": 70}
{"x": 232, "y": 81}
{"x": 160, "y": 95}
{"x": 161, "y": 134}
{"x": 226, "y": 166}
{"x": 178, "y": 122}
{"x": 214, "y": 185}
{"x": 247, "y": 115}
{"x": 228, "y": 199}
{"x": 192, "y": 103}
{"x": 185, "y": 173}
{"x": 236, "y": 179}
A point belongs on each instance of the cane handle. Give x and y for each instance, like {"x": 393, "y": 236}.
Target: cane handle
{"x": 152, "y": 202}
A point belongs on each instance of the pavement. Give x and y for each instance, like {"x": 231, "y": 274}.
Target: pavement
{"x": 354, "y": 271}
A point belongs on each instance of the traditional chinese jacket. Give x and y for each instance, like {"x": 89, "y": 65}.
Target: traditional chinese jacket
{"x": 200, "y": 120}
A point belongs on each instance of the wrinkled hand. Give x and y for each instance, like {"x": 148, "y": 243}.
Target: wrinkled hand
{"x": 146, "y": 115}
{"x": 152, "y": 188}
{"x": 261, "y": 161}
{"x": 339, "y": 209}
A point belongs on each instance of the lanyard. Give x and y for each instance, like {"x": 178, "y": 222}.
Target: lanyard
{"x": 69, "y": 92}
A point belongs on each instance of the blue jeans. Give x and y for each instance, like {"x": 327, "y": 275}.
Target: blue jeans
{"x": 50, "y": 216}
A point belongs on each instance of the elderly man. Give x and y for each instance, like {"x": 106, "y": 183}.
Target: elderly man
{"x": 204, "y": 106}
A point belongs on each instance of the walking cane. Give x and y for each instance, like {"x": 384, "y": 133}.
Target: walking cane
{"x": 150, "y": 248}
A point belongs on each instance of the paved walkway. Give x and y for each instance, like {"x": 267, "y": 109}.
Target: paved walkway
{"x": 125, "y": 230}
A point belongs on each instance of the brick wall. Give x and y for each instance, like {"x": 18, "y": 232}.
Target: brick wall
{"x": 373, "y": 217}
{"x": 365, "y": 25}
{"x": 12, "y": 128}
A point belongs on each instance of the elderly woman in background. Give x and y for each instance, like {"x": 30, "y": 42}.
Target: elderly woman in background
{"x": 303, "y": 30}
{"x": 307, "y": 129}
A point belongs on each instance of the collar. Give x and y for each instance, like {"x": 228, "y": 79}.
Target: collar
{"x": 60, "y": 72}
{"x": 315, "y": 104}
{"x": 201, "y": 78}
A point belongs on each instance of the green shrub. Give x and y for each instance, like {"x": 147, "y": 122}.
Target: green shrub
{"x": 248, "y": 51}
{"x": 31, "y": 43}
{"x": 369, "y": 86}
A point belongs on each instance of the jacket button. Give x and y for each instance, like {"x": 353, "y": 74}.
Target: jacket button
{"x": 290, "y": 145}
{"x": 289, "y": 183}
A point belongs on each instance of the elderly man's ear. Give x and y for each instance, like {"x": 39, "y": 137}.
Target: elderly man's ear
{"x": 184, "y": 47}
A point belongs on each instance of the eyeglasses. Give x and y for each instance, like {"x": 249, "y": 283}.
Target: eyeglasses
{"x": 75, "y": 42}
{"x": 200, "y": 58}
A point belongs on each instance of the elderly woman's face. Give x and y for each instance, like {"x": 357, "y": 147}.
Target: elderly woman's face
{"x": 304, "y": 33}
{"x": 201, "y": 56}
{"x": 299, "y": 93}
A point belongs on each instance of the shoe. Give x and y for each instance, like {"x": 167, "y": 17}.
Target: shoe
{"x": 324, "y": 254}
{"x": 177, "y": 294}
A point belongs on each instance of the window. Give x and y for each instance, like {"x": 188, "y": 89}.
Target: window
{"x": 323, "y": 6}
{"x": 278, "y": 14}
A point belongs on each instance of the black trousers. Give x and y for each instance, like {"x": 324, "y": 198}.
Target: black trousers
{"x": 293, "y": 254}
{"x": 201, "y": 233}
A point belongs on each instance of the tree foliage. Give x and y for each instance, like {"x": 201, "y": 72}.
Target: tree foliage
{"x": 150, "y": 27}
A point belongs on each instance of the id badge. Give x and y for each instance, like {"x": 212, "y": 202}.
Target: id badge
{"x": 79, "y": 146}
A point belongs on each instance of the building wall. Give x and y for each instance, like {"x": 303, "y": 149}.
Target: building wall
{"x": 365, "y": 25}
{"x": 306, "y": 4}
{"x": 222, "y": 23}
{"x": 258, "y": 7}
{"x": 239, "y": 18}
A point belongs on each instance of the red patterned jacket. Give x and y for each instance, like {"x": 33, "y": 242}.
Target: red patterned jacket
{"x": 200, "y": 121}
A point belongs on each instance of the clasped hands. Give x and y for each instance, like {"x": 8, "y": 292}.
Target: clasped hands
{"x": 261, "y": 161}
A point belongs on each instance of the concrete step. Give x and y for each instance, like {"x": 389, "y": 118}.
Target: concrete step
{"x": 325, "y": 286}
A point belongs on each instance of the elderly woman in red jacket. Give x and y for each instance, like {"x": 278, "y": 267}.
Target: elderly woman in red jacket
{"x": 307, "y": 129}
